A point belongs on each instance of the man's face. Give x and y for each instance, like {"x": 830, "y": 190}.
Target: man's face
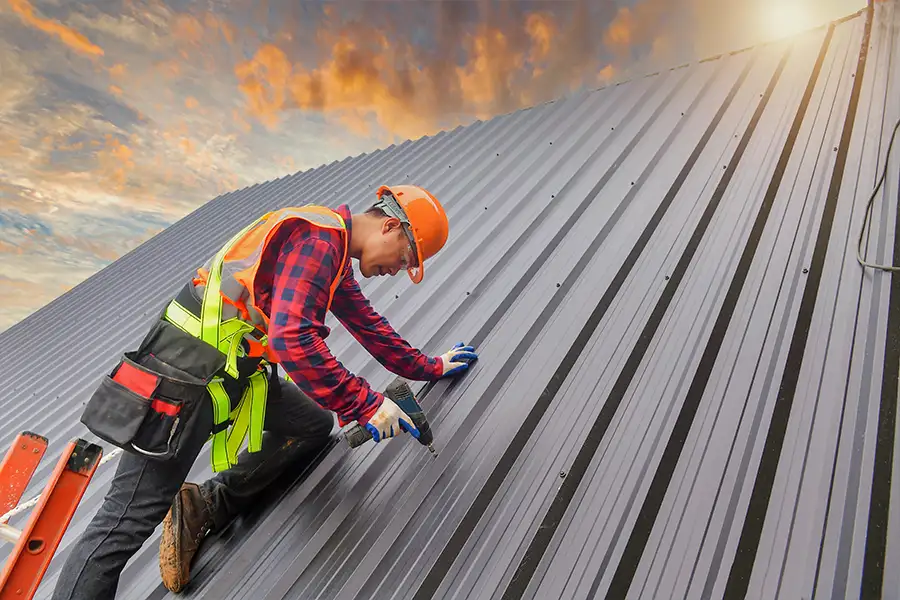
{"x": 387, "y": 253}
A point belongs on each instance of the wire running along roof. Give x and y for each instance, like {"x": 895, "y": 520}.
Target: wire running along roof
{"x": 687, "y": 384}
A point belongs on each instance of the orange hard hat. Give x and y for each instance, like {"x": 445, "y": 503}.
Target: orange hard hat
{"x": 424, "y": 219}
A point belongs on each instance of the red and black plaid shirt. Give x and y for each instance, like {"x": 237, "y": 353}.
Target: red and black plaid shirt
{"x": 292, "y": 286}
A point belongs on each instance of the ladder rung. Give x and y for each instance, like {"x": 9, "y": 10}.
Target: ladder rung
{"x": 19, "y": 465}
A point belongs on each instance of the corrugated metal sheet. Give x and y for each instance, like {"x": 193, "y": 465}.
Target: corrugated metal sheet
{"x": 687, "y": 386}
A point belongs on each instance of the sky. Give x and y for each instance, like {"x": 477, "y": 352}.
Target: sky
{"x": 118, "y": 117}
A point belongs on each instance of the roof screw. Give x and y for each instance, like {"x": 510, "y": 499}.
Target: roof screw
{"x": 485, "y": 208}
{"x": 553, "y": 195}
{"x": 612, "y": 128}
{"x": 806, "y": 270}
{"x": 835, "y": 148}
{"x": 397, "y": 296}
{"x": 682, "y": 114}
{"x": 498, "y": 154}
{"x": 557, "y": 285}
{"x": 667, "y": 277}
{"x": 632, "y": 183}
{"x": 551, "y": 143}
{"x": 562, "y": 474}
{"x": 467, "y": 293}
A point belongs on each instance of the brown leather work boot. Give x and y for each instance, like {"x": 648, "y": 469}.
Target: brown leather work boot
{"x": 184, "y": 529}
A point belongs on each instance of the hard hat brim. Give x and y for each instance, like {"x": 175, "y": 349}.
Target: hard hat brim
{"x": 416, "y": 274}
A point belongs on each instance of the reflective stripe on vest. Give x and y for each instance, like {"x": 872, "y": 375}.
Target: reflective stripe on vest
{"x": 224, "y": 325}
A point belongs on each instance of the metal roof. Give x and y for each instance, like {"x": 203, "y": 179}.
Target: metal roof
{"x": 687, "y": 384}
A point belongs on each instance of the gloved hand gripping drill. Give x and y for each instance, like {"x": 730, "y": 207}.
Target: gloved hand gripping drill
{"x": 400, "y": 405}
{"x": 401, "y": 395}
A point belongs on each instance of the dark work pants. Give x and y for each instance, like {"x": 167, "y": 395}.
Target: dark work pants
{"x": 142, "y": 491}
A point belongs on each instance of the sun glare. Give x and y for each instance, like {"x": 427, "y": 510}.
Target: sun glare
{"x": 785, "y": 18}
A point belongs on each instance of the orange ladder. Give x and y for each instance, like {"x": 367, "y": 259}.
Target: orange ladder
{"x": 36, "y": 544}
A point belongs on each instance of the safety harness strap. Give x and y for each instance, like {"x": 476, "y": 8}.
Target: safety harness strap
{"x": 250, "y": 415}
{"x": 221, "y": 407}
{"x": 230, "y": 331}
{"x": 227, "y": 337}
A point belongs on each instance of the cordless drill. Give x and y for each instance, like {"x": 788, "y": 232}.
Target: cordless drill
{"x": 400, "y": 392}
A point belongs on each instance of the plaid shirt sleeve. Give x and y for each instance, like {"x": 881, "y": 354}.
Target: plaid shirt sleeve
{"x": 376, "y": 334}
{"x": 306, "y": 265}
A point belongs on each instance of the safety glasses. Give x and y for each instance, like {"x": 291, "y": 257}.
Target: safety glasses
{"x": 389, "y": 204}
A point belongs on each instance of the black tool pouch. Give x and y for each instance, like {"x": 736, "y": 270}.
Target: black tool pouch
{"x": 148, "y": 401}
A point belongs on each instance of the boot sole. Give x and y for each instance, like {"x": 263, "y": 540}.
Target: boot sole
{"x": 170, "y": 549}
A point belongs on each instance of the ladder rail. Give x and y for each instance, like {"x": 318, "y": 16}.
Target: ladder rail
{"x": 36, "y": 544}
{"x": 18, "y": 467}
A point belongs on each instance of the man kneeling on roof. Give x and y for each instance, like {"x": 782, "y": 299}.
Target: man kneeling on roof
{"x": 207, "y": 370}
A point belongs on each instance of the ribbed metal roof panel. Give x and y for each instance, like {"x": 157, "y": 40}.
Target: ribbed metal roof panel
{"x": 687, "y": 384}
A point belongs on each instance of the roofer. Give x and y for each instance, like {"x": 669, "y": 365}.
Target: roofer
{"x": 198, "y": 375}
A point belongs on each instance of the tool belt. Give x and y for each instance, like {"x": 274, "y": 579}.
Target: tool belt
{"x": 148, "y": 400}
{"x": 189, "y": 356}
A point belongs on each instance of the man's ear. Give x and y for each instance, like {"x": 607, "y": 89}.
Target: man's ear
{"x": 390, "y": 224}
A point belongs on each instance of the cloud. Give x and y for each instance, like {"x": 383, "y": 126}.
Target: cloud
{"x": 62, "y": 90}
{"x": 264, "y": 79}
{"x": 635, "y": 26}
{"x": 10, "y": 147}
{"x": 391, "y": 73}
{"x": 411, "y": 72}
{"x": 117, "y": 72}
{"x": 48, "y": 247}
{"x": 135, "y": 29}
{"x": 486, "y": 80}
{"x": 18, "y": 81}
{"x": 69, "y": 36}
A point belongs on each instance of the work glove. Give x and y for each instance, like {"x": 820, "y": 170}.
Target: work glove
{"x": 456, "y": 360}
{"x": 389, "y": 420}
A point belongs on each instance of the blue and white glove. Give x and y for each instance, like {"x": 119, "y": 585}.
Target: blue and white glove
{"x": 457, "y": 359}
{"x": 389, "y": 420}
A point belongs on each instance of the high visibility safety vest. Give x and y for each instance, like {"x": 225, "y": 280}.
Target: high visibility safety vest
{"x": 229, "y": 317}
